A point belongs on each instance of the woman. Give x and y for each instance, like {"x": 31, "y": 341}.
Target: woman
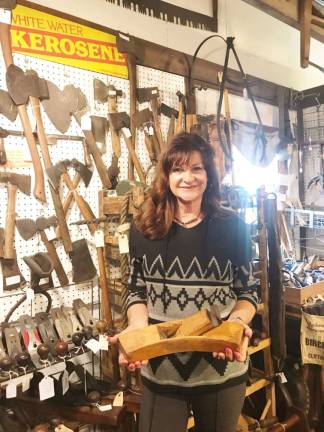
{"x": 188, "y": 253}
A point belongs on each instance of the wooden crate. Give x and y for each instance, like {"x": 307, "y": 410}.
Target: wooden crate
{"x": 298, "y": 296}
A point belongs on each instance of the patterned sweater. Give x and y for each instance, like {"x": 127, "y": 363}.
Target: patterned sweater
{"x": 188, "y": 270}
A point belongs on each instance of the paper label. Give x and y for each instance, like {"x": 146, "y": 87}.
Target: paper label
{"x": 126, "y": 132}
{"x": 99, "y": 238}
{"x": 104, "y": 407}
{"x": 65, "y": 382}
{"x": 11, "y": 391}
{"x": 104, "y": 343}
{"x": 123, "y": 227}
{"x": 50, "y": 233}
{"x": 112, "y": 92}
{"x": 282, "y": 377}
{"x": 86, "y": 122}
{"x": 12, "y": 280}
{"x": 154, "y": 91}
{"x": 44, "y": 281}
{"x": 5, "y": 16}
{"x": 151, "y": 130}
{"x": 123, "y": 243}
{"x": 123, "y": 36}
{"x": 93, "y": 345}
{"x": 30, "y": 294}
{"x": 119, "y": 399}
{"x": 25, "y": 384}
{"x": 111, "y": 193}
{"x": 46, "y": 388}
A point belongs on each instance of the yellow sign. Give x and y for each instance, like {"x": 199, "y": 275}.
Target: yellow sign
{"x": 48, "y": 37}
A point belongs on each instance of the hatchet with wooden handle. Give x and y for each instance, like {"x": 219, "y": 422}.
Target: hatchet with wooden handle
{"x": 39, "y": 189}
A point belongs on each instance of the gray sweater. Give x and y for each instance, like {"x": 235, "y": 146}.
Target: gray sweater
{"x": 188, "y": 270}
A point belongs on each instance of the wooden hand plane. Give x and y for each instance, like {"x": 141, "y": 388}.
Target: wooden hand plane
{"x": 198, "y": 332}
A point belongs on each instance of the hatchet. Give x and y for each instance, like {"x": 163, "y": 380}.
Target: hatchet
{"x": 121, "y": 122}
{"x": 99, "y": 128}
{"x": 151, "y": 95}
{"x": 39, "y": 189}
{"x": 13, "y": 182}
{"x": 172, "y": 114}
{"x": 144, "y": 120}
{"x": 7, "y": 106}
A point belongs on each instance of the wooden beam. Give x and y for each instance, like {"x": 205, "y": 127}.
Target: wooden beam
{"x": 318, "y": 21}
{"x": 288, "y": 12}
{"x": 305, "y": 29}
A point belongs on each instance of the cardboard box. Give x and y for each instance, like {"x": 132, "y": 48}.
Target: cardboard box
{"x": 298, "y": 296}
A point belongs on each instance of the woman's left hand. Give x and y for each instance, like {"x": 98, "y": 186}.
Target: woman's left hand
{"x": 228, "y": 353}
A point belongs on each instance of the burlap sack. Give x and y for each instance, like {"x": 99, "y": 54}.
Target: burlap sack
{"x": 312, "y": 339}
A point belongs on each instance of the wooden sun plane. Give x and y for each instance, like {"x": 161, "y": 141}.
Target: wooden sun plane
{"x": 198, "y": 332}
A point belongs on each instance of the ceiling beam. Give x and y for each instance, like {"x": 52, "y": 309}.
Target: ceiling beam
{"x": 305, "y": 29}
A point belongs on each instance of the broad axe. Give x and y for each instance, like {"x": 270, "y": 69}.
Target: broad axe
{"x": 7, "y": 106}
{"x": 144, "y": 119}
{"x": 27, "y": 228}
{"x": 12, "y": 78}
{"x": 14, "y": 182}
{"x": 172, "y": 114}
{"x": 151, "y": 95}
{"x": 121, "y": 122}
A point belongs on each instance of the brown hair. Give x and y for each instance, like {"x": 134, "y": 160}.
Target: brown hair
{"x": 158, "y": 210}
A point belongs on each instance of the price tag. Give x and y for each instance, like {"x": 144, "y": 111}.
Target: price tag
{"x": 12, "y": 280}
{"x": 50, "y": 233}
{"x": 46, "y": 388}
{"x": 119, "y": 399}
{"x": 65, "y": 382}
{"x": 104, "y": 407}
{"x": 30, "y": 294}
{"x": 44, "y": 281}
{"x": 282, "y": 377}
{"x": 86, "y": 123}
{"x": 112, "y": 92}
{"x": 5, "y": 16}
{"x": 93, "y": 345}
{"x": 150, "y": 130}
{"x": 104, "y": 343}
{"x": 126, "y": 132}
{"x": 154, "y": 91}
{"x": 11, "y": 390}
{"x": 99, "y": 238}
{"x": 123, "y": 243}
{"x": 25, "y": 384}
{"x": 123, "y": 36}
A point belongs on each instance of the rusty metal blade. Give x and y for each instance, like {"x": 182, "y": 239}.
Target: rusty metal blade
{"x": 7, "y": 106}
{"x": 26, "y": 228}
{"x": 57, "y": 108}
{"x": 18, "y": 84}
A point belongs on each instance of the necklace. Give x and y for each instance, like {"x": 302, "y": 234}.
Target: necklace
{"x": 195, "y": 219}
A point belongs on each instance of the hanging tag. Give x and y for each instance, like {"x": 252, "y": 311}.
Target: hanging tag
{"x": 50, "y": 233}
{"x": 99, "y": 238}
{"x": 30, "y": 294}
{"x": 11, "y": 390}
{"x": 104, "y": 343}
{"x": 25, "y": 384}
{"x": 105, "y": 407}
{"x": 44, "y": 281}
{"x": 126, "y": 132}
{"x": 151, "y": 131}
{"x": 112, "y": 92}
{"x": 46, "y": 388}
{"x": 118, "y": 399}
{"x": 282, "y": 377}
{"x": 12, "y": 280}
{"x": 123, "y": 243}
{"x": 123, "y": 36}
{"x": 93, "y": 345}
{"x": 5, "y": 16}
{"x": 65, "y": 382}
{"x": 154, "y": 91}
{"x": 86, "y": 122}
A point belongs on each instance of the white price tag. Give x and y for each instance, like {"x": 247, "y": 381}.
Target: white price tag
{"x": 86, "y": 122}
{"x": 118, "y": 399}
{"x": 93, "y": 345}
{"x": 154, "y": 91}
{"x": 99, "y": 238}
{"x": 30, "y": 294}
{"x": 282, "y": 377}
{"x": 50, "y": 233}
{"x": 123, "y": 243}
{"x": 123, "y": 36}
{"x": 151, "y": 130}
{"x": 112, "y": 92}
{"x": 46, "y": 388}
{"x": 127, "y": 132}
{"x": 104, "y": 343}
{"x": 104, "y": 407}
{"x": 12, "y": 280}
{"x": 25, "y": 384}
{"x": 5, "y": 16}
{"x": 65, "y": 382}
{"x": 11, "y": 390}
{"x": 44, "y": 281}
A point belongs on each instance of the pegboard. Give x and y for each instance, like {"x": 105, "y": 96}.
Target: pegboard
{"x": 29, "y": 207}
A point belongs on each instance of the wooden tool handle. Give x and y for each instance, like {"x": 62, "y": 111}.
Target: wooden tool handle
{"x": 149, "y": 146}
{"x": 9, "y": 251}
{"x": 3, "y": 155}
{"x": 60, "y": 272}
{"x": 5, "y": 40}
{"x": 171, "y": 129}
{"x": 179, "y": 127}
{"x": 85, "y": 210}
{"x": 105, "y": 304}
{"x": 137, "y": 165}
{"x": 154, "y": 106}
{"x": 115, "y": 142}
{"x": 102, "y": 171}
{"x": 68, "y": 200}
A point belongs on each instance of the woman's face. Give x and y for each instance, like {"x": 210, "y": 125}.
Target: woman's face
{"x": 188, "y": 182}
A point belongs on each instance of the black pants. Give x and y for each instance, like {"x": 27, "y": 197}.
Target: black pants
{"x": 216, "y": 411}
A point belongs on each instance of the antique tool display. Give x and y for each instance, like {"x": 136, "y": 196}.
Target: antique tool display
{"x": 199, "y": 332}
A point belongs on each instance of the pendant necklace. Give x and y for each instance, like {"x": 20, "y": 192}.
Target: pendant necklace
{"x": 195, "y": 219}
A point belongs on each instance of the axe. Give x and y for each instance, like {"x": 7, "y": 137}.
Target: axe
{"x": 172, "y": 114}
{"x": 151, "y": 94}
{"x": 39, "y": 190}
{"x": 7, "y": 106}
{"x": 144, "y": 119}
{"x": 14, "y": 182}
{"x": 99, "y": 128}
{"x": 121, "y": 122}
{"x": 3, "y": 154}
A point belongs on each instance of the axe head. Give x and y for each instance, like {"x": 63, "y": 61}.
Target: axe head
{"x": 119, "y": 120}
{"x": 100, "y": 91}
{"x": 20, "y": 87}
{"x": 54, "y": 173}
{"x": 7, "y": 106}
{"x": 142, "y": 117}
{"x": 38, "y": 86}
{"x": 3, "y": 133}
{"x": 22, "y": 181}
{"x": 8, "y": 4}
{"x": 42, "y": 222}
{"x": 146, "y": 94}
{"x": 26, "y": 227}
{"x": 168, "y": 111}
{"x": 85, "y": 172}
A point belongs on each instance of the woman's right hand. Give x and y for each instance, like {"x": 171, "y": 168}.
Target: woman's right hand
{"x": 122, "y": 359}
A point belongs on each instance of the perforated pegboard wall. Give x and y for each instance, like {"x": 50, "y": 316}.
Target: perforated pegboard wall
{"x": 29, "y": 207}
